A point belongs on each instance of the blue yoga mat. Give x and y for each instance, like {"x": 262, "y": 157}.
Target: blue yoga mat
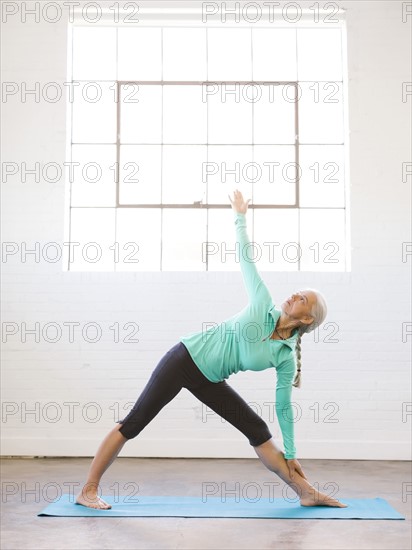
{"x": 215, "y": 507}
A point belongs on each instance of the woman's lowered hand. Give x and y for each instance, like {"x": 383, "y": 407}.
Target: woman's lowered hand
{"x": 294, "y": 466}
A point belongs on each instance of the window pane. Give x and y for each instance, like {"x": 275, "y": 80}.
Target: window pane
{"x": 227, "y": 169}
{"x": 140, "y": 114}
{"x": 94, "y": 53}
{"x": 184, "y": 54}
{"x": 141, "y": 229}
{"x": 230, "y": 116}
{"x": 322, "y": 181}
{"x": 321, "y": 112}
{"x": 322, "y": 234}
{"x": 184, "y": 232}
{"x": 276, "y": 237}
{"x": 319, "y": 54}
{"x": 274, "y": 115}
{"x": 94, "y": 229}
{"x": 182, "y": 174}
{"x": 94, "y": 113}
{"x": 229, "y": 54}
{"x": 139, "y": 174}
{"x": 275, "y": 174}
{"x": 274, "y": 54}
{"x": 184, "y": 115}
{"x": 140, "y": 54}
{"x": 221, "y": 251}
{"x": 94, "y": 173}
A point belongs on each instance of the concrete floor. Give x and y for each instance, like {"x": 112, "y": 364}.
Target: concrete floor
{"x": 22, "y": 529}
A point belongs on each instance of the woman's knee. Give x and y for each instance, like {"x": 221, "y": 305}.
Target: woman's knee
{"x": 128, "y": 430}
{"x": 260, "y": 435}
{"x": 119, "y": 427}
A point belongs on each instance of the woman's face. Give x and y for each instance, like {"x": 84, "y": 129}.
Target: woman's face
{"x": 299, "y": 304}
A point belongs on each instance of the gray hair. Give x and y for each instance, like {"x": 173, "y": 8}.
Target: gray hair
{"x": 318, "y": 312}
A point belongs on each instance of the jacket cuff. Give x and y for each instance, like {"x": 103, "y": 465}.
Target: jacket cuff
{"x": 238, "y": 215}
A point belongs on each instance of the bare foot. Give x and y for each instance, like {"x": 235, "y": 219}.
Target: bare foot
{"x": 315, "y": 498}
{"x": 92, "y": 501}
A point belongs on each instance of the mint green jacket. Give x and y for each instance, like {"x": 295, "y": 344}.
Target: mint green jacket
{"x": 242, "y": 341}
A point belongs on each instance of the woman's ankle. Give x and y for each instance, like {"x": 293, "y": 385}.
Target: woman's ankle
{"x": 309, "y": 492}
{"x": 90, "y": 489}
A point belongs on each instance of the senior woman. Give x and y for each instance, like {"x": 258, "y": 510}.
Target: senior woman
{"x": 259, "y": 337}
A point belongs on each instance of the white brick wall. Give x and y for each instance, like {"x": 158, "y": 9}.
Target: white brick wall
{"x": 362, "y": 380}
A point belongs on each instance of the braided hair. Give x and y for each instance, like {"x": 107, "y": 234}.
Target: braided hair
{"x": 318, "y": 312}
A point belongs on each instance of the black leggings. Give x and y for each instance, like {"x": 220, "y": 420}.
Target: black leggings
{"x": 177, "y": 370}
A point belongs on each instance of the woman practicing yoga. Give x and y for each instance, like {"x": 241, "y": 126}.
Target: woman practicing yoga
{"x": 259, "y": 337}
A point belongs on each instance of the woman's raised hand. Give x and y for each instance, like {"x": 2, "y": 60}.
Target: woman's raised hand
{"x": 238, "y": 203}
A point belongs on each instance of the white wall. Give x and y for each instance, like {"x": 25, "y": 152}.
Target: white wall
{"x": 365, "y": 374}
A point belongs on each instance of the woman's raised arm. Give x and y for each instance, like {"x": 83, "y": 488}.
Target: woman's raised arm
{"x": 254, "y": 283}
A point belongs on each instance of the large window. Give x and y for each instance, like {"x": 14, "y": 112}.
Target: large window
{"x": 167, "y": 121}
